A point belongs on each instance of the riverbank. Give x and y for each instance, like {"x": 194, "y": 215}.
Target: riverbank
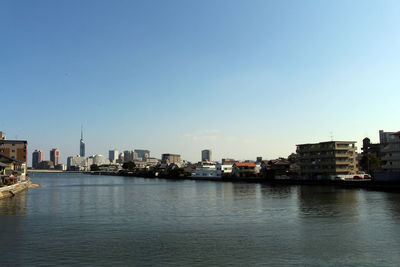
{"x": 46, "y": 171}
{"x": 353, "y": 183}
{"x": 12, "y": 190}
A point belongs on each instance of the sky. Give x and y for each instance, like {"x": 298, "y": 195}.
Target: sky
{"x": 243, "y": 78}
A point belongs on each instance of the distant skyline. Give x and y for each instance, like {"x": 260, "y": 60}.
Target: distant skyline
{"x": 242, "y": 78}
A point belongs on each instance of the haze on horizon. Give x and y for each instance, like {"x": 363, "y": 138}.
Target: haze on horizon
{"x": 243, "y": 78}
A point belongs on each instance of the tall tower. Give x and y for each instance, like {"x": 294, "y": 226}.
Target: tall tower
{"x": 82, "y": 145}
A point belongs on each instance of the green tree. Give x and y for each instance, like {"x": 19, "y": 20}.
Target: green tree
{"x": 94, "y": 168}
{"x": 292, "y": 158}
{"x": 129, "y": 165}
{"x": 370, "y": 164}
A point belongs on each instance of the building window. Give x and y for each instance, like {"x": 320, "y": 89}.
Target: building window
{"x": 13, "y": 150}
{"x": 1, "y": 150}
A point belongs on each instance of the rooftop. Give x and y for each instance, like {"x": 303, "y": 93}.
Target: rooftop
{"x": 3, "y": 141}
{"x": 245, "y": 164}
{"x": 329, "y": 142}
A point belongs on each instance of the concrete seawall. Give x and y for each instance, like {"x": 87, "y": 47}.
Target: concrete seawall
{"x": 12, "y": 190}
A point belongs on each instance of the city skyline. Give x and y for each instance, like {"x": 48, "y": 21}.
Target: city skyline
{"x": 244, "y": 79}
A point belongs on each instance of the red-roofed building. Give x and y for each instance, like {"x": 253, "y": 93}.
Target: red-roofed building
{"x": 244, "y": 169}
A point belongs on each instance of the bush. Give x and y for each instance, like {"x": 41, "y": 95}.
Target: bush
{"x": 8, "y": 181}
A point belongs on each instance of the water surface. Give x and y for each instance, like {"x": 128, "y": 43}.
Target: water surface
{"x": 105, "y": 220}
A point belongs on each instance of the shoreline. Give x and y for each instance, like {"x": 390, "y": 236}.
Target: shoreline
{"x": 45, "y": 171}
{"x": 12, "y": 190}
{"x": 361, "y": 184}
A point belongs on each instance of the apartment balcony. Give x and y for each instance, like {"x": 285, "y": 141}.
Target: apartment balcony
{"x": 393, "y": 166}
{"x": 349, "y": 148}
{"x": 391, "y": 148}
{"x": 316, "y": 156}
{"x": 314, "y": 149}
{"x": 393, "y": 157}
{"x": 328, "y": 171}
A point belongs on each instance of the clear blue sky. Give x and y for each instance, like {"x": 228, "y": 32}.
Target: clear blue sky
{"x": 244, "y": 78}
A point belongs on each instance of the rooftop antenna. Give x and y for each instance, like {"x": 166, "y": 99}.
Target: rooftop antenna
{"x": 81, "y": 132}
{"x": 331, "y": 135}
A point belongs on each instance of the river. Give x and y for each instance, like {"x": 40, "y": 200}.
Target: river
{"x": 78, "y": 219}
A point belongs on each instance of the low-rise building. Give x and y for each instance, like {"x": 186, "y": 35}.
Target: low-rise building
{"x": 244, "y": 169}
{"x": 170, "y": 158}
{"x": 276, "y": 168}
{"x": 226, "y": 169}
{"x": 60, "y": 167}
{"x": 390, "y": 153}
{"x": 327, "y": 160}
{"x": 46, "y": 165}
{"x": 207, "y": 170}
{"x": 228, "y": 161}
{"x": 77, "y": 163}
{"x": 97, "y": 160}
{"x": 15, "y": 149}
{"x": 152, "y": 162}
{"x": 12, "y": 169}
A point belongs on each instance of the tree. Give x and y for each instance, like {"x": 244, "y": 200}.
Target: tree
{"x": 129, "y": 165}
{"x": 176, "y": 172}
{"x": 94, "y": 168}
{"x": 292, "y": 158}
{"x": 371, "y": 163}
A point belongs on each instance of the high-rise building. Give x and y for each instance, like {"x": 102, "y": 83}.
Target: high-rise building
{"x": 55, "y": 156}
{"x": 141, "y": 154}
{"x": 129, "y": 155}
{"x": 113, "y": 155}
{"x": 15, "y": 149}
{"x": 206, "y": 155}
{"x": 82, "y": 145}
{"x": 121, "y": 158}
{"x": 37, "y": 157}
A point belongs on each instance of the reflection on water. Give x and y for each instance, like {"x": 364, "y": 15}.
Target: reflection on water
{"x": 393, "y": 204}
{"x": 103, "y": 220}
{"x": 14, "y": 206}
{"x": 276, "y": 191}
{"x": 327, "y": 201}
